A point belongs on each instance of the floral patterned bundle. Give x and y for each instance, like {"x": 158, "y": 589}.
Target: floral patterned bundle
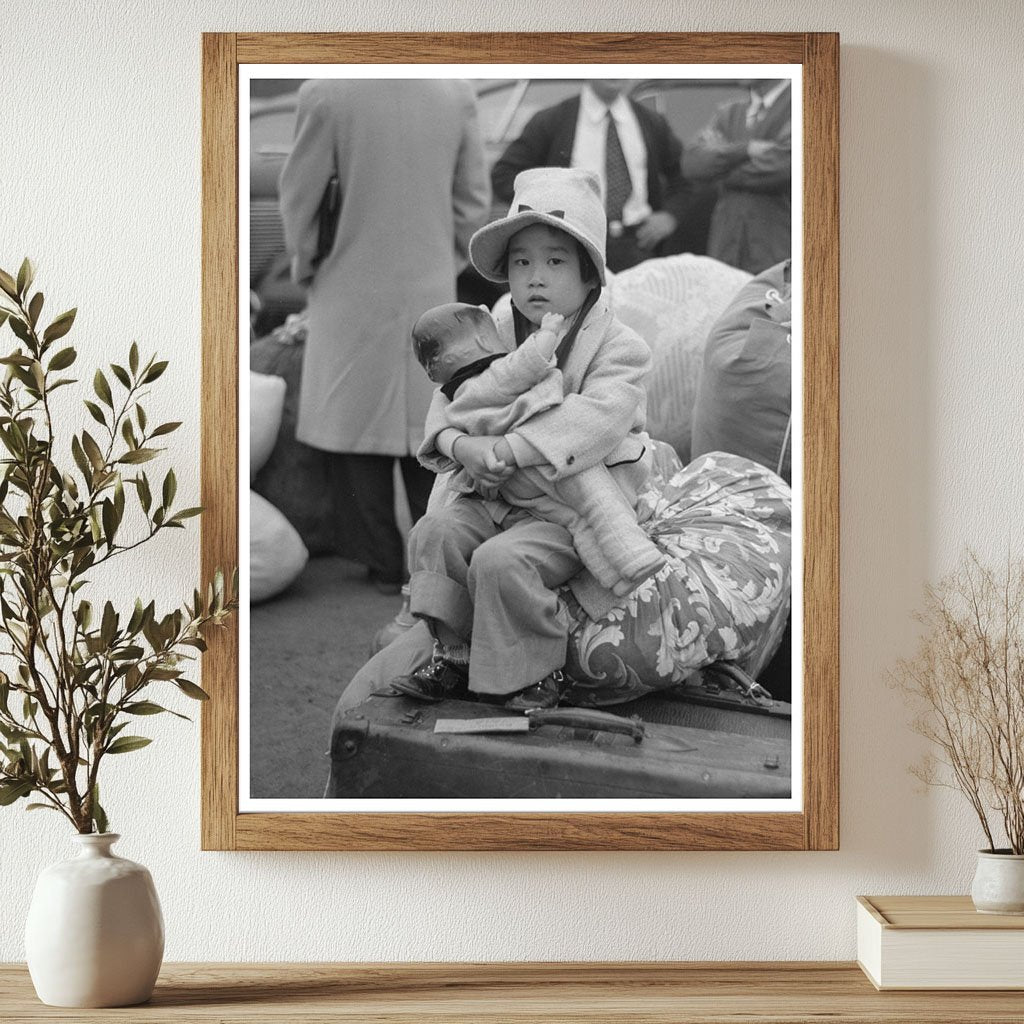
{"x": 725, "y": 524}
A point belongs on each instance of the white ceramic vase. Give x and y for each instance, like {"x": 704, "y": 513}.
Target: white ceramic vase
{"x": 999, "y": 883}
{"x": 95, "y": 933}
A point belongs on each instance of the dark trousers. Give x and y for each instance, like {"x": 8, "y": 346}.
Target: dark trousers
{"x": 623, "y": 252}
{"x": 363, "y": 495}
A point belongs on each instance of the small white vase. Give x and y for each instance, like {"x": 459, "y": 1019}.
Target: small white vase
{"x": 95, "y": 934}
{"x": 999, "y": 883}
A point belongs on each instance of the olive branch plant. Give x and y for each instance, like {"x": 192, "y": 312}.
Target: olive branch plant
{"x": 79, "y": 674}
{"x": 966, "y": 681}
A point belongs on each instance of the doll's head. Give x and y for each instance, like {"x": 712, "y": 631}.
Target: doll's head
{"x": 448, "y": 338}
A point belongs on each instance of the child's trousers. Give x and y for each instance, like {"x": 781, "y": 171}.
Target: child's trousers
{"x": 494, "y": 585}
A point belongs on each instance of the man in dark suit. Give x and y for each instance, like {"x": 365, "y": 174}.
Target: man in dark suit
{"x": 631, "y": 149}
{"x": 745, "y": 152}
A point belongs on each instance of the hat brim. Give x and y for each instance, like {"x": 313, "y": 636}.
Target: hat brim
{"x": 488, "y": 247}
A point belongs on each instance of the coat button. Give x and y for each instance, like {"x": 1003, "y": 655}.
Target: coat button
{"x": 570, "y": 460}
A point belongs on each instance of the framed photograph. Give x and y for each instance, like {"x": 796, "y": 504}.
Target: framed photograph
{"x": 539, "y": 549}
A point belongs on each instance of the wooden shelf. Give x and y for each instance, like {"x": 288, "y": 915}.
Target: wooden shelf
{"x": 623, "y": 993}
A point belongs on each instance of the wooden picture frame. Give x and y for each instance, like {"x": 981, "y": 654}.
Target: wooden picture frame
{"x": 816, "y": 826}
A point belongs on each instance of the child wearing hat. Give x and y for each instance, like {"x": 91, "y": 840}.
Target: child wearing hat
{"x": 485, "y": 390}
{"x": 484, "y": 574}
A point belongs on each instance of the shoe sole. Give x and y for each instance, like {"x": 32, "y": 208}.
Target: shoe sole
{"x": 416, "y": 694}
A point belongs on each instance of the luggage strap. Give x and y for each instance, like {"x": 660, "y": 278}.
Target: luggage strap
{"x": 575, "y": 718}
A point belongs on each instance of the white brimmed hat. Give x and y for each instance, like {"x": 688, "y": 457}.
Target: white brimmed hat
{"x": 565, "y": 198}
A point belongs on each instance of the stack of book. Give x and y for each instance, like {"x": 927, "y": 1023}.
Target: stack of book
{"x": 938, "y": 942}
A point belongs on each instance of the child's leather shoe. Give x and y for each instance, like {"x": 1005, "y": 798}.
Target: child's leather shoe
{"x": 436, "y": 681}
{"x": 545, "y": 694}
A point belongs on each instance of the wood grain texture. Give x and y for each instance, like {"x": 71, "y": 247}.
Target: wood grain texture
{"x": 817, "y": 827}
{"x": 219, "y": 433}
{"x": 520, "y": 831}
{"x": 942, "y": 913}
{"x": 821, "y": 441}
{"x": 520, "y": 47}
{"x": 616, "y": 993}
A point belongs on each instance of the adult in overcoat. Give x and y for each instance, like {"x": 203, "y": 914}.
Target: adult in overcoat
{"x": 411, "y": 173}
{"x": 550, "y": 140}
{"x": 745, "y": 151}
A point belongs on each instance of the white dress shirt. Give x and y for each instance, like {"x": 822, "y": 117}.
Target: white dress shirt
{"x": 761, "y": 104}
{"x": 589, "y": 145}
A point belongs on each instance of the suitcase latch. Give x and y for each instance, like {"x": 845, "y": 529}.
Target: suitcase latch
{"x": 348, "y": 738}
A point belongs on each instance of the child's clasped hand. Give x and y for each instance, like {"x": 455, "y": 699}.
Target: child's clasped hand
{"x": 477, "y": 456}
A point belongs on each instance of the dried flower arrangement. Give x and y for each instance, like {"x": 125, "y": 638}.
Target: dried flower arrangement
{"x": 967, "y": 680}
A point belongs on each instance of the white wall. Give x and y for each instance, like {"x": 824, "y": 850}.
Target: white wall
{"x": 100, "y": 183}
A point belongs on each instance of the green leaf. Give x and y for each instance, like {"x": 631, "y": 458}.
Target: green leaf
{"x": 145, "y": 497}
{"x": 126, "y": 744}
{"x": 99, "y": 816}
{"x": 170, "y": 487}
{"x": 63, "y": 359}
{"x": 96, "y": 711}
{"x": 41, "y": 807}
{"x": 165, "y": 428}
{"x": 34, "y": 308}
{"x": 10, "y": 442}
{"x": 70, "y": 486}
{"x": 11, "y": 791}
{"x": 109, "y": 521}
{"x": 95, "y": 412}
{"x": 169, "y": 674}
{"x": 121, "y": 374}
{"x": 138, "y": 455}
{"x": 60, "y": 326}
{"x": 4, "y": 314}
{"x": 133, "y": 358}
{"x": 191, "y": 690}
{"x": 20, "y": 328}
{"x": 185, "y": 513}
{"x": 151, "y": 631}
{"x": 154, "y": 372}
{"x": 128, "y": 433}
{"x": 144, "y": 707}
{"x": 26, "y": 274}
{"x": 140, "y": 415}
{"x": 108, "y": 627}
{"x": 119, "y": 498}
{"x": 92, "y": 449}
{"x": 8, "y": 284}
{"x": 12, "y": 733}
{"x": 129, "y": 653}
{"x": 102, "y": 388}
{"x": 81, "y": 461}
{"x": 138, "y": 614}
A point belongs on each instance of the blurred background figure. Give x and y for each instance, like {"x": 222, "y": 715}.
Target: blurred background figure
{"x": 746, "y": 151}
{"x": 400, "y": 166}
{"x": 630, "y": 147}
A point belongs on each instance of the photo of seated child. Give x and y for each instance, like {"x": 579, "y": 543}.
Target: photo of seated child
{"x": 486, "y": 390}
{"x": 484, "y": 571}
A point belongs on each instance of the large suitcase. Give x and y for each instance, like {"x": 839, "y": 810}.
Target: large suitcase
{"x": 394, "y": 747}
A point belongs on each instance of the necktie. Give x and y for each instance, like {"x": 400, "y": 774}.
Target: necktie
{"x": 617, "y": 183}
{"x": 755, "y": 110}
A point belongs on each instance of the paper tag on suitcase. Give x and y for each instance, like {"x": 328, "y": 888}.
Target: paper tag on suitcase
{"x": 478, "y": 725}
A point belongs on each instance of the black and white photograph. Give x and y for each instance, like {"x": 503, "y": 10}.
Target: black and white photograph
{"x": 524, "y": 522}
